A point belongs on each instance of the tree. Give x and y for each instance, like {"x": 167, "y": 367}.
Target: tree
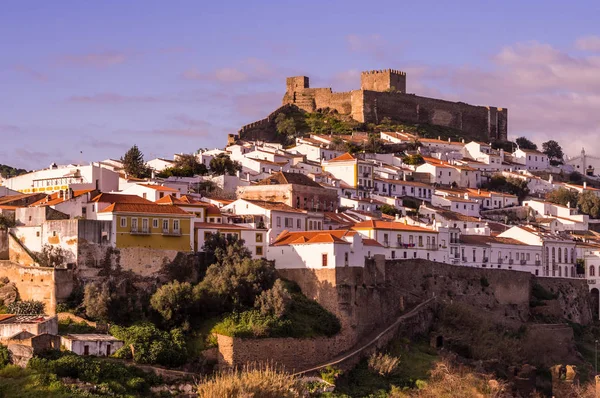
{"x": 373, "y": 144}
{"x": 525, "y": 143}
{"x": 588, "y": 203}
{"x": 133, "y": 163}
{"x": 389, "y": 210}
{"x": 286, "y": 125}
{"x": 7, "y": 221}
{"x": 51, "y": 256}
{"x": 235, "y": 283}
{"x": 563, "y": 197}
{"x": 274, "y": 301}
{"x": 185, "y": 166}
{"x": 514, "y": 186}
{"x": 575, "y": 177}
{"x": 173, "y": 302}
{"x": 146, "y": 343}
{"x": 96, "y": 300}
{"x": 554, "y": 152}
{"x": 413, "y": 160}
{"x": 220, "y": 247}
{"x": 222, "y": 164}
{"x": 27, "y": 307}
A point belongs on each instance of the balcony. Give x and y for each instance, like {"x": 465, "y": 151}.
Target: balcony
{"x": 523, "y": 262}
{"x": 431, "y": 246}
{"x": 386, "y": 243}
{"x": 511, "y": 261}
{"x": 135, "y": 231}
{"x": 485, "y": 259}
{"x": 175, "y": 232}
{"x": 538, "y": 262}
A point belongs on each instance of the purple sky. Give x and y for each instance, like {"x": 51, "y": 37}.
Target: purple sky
{"x": 82, "y": 81}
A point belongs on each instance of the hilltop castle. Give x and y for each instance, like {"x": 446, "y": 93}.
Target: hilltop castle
{"x": 383, "y": 94}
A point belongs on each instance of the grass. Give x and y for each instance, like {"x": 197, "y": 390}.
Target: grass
{"x": 68, "y": 326}
{"x": 416, "y": 362}
{"x": 264, "y": 382}
{"x": 16, "y": 382}
{"x": 202, "y": 338}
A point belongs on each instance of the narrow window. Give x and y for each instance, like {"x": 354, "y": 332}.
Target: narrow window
{"x": 324, "y": 259}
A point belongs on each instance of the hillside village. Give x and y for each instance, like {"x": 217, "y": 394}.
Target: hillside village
{"x": 332, "y": 213}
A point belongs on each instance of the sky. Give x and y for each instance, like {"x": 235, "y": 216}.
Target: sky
{"x": 84, "y": 81}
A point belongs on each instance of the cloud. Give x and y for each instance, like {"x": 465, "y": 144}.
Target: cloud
{"x": 189, "y": 121}
{"x": 256, "y": 105}
{"x": 111, "y": 98}
{"x": 31, "y": 73}
{"x": 588, "y": 43}
{"x": 550, "y": 93}
{"x": 9, "y": 129}
{"x": 251, "y": 70}
{"x": 103, "y": 59}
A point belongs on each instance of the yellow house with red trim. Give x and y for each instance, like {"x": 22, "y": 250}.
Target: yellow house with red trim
{"x": 149, "y": 225}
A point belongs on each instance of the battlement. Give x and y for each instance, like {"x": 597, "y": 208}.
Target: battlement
{"x": 382, "y": 71}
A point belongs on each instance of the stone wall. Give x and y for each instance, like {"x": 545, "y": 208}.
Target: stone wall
{"x": 47, "y": 285}
{"x": 145, "y": 262}
{"x": 289, "y": 194}
{"x": 18, "y": 253}
{"x": 4, "y": 251}
{"x": 572, "y": 303}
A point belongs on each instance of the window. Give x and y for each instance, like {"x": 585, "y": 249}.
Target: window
{"x": 324, "y": 259}
{"x": 473, "y": 255}
{"x": 278, "y": 221}
{"x": 155, "y": 223}
{"x": 393, "y": 254}
{"x": 176, "y": 225}
{"x": 123, "y": 221}
{"x": 259, "y": 250}
{"x": 259, "y": 238}
{"x": 207, "y": 236}
{"x": 310, "y": 225}
{"x": 346, "y": 259}
{"x": 134, "y": 224}
{"x": 161, "y": 195}
{"x": 145, "y": 225}
{"x": 298, "y": 223}
{"x": 165, "y": 225}
{"x": 592, "y": 270}
{"x": 420, "y": 241}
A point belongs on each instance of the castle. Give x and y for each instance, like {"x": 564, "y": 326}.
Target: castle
{"x": 383, "y": 94}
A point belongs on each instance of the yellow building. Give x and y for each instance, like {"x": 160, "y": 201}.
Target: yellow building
{"x": 149, "y": 225}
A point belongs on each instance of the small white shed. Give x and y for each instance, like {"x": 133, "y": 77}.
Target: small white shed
{"x": 91, "y": 344}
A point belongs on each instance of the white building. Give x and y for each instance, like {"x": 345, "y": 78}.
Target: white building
{"x": 531, "y": 159}
{"x": 584, "y": 163}
{"x": 102, "y": 345}
{"x": 151, "y": 192}
{"x": 467, "y": 207}
{"x": 255, "y": 239}
{"x": 60, "y": 178}
{"x": 160, "y": 164}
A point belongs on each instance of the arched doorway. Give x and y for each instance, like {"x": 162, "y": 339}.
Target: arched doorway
{"x": 595, "y": 299}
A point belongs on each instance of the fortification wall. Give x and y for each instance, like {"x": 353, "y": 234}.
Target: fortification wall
{"x": 47, "y": 285}
{"x": 572, "y": 302}
{"x": 341, "y": 102}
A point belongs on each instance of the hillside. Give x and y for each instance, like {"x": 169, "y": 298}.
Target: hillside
{"x": 289, "y": 121}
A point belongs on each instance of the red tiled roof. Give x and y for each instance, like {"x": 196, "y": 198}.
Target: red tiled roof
{"x": 344, "y": 157}
{"x": 333, "y": 236}
{"x": 276, "y": 206}
{"x": 371, "y": 242}
{"x": 159, "y": 187}
{"x": 214, "y": 225}
{"x": 172, "y": 200}
{"x": 377, "y": 224}
{"x": 119, "y": 198}
{"x": 147, "y": 208}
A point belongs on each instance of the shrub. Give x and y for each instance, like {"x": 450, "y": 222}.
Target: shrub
{"x": 274, "y": 301}
{"x": 51, "y": 256}
{"x": 68, "y": 326}
{"x": 484, "y": 282}
{"x": 28, "y": 307}
{"x": 383, "y": 364}
{"x": 96, "y": 300}
{"x": 330, "y": 374}
{"x": 4, "y": 356}
{"x": 151, "y": 345}
{"x": 173, "y": 302}
{"x": 264, "y": 382}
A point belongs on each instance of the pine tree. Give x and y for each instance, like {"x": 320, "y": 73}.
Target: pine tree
{"x": 133, "y": 163}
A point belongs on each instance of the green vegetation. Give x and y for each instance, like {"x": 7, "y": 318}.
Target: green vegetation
{"x": 587, "y": 202}
{"x": 51, "y": 256}
{"x": 9, "y": 171}
{"x": 43, "y": 378}
{"x": 554, "y": 152}
{"x": 390, "y": 210}
{"x": 562, "y": 196}
{"x": 525, "y": 143}
{"x": 28, "y": 307}
{"x": 222, "y": 164}
{"x": 151, "y": 345}
{"x": 413, "y": 160}
{"x": 68, "y": 326}
{"x": 514, "y": 186}
{"x": 186, "y": 165}
{"x": 133, "y": 163}
{"x": 276, "y": 316}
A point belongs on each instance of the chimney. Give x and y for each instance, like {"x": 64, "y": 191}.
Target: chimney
{"x": 584, "y": 184}
{"x": 479, "y": 191}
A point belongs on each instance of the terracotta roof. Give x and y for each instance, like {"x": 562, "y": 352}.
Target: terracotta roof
{"x": 12, "y": 198}
{"x": 215, "y": 225}
{"x": 4, "y": 317}
{"x": 147, "y": 208}
{"x": 119, "y": 198}
{"x": 159, "y": 187}
{"x": 376, "y": 224}
{"x": 282, "y": 177}
{"x": 172, "y": 200}
{"x": 345, "y": 157}
{"x": 371, "y": 242}
{"x": 486, "y": 240}
{"x": 436, "y": 141}
{"x": 213, "y": 210}
{"x": 442, "y": 163}
{"x": 276, "y": 206}
{"x": 333, "y": 236}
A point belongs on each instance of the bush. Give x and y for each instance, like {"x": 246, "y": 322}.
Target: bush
{"x": 68, "y": 326}
{"x": 274, "y": 301}
{"x": 330, "y": 374}
{"x": 173, "y": 302}
{"x": 383, "y": 364}
{"x": 151, "y": 345}
{"x": 51, "y": 256}
{"x": 265, "y": 382}
{"x": 4, "y": 356}
{"x": 28, "y": 307}
{"x": 96, "y": 300}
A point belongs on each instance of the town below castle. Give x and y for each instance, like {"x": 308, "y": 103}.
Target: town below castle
{"x": 375, "y": 228}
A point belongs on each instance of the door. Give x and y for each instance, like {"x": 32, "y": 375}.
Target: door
{"x": 86, "y": 350}
{"x": 108, "y": 350}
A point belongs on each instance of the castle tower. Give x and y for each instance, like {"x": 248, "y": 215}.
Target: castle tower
{"x": 383, "y": 80}
{"x": 296, "y": 83}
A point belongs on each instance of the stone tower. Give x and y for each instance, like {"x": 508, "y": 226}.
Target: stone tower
{"x": 383, "y": 80}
